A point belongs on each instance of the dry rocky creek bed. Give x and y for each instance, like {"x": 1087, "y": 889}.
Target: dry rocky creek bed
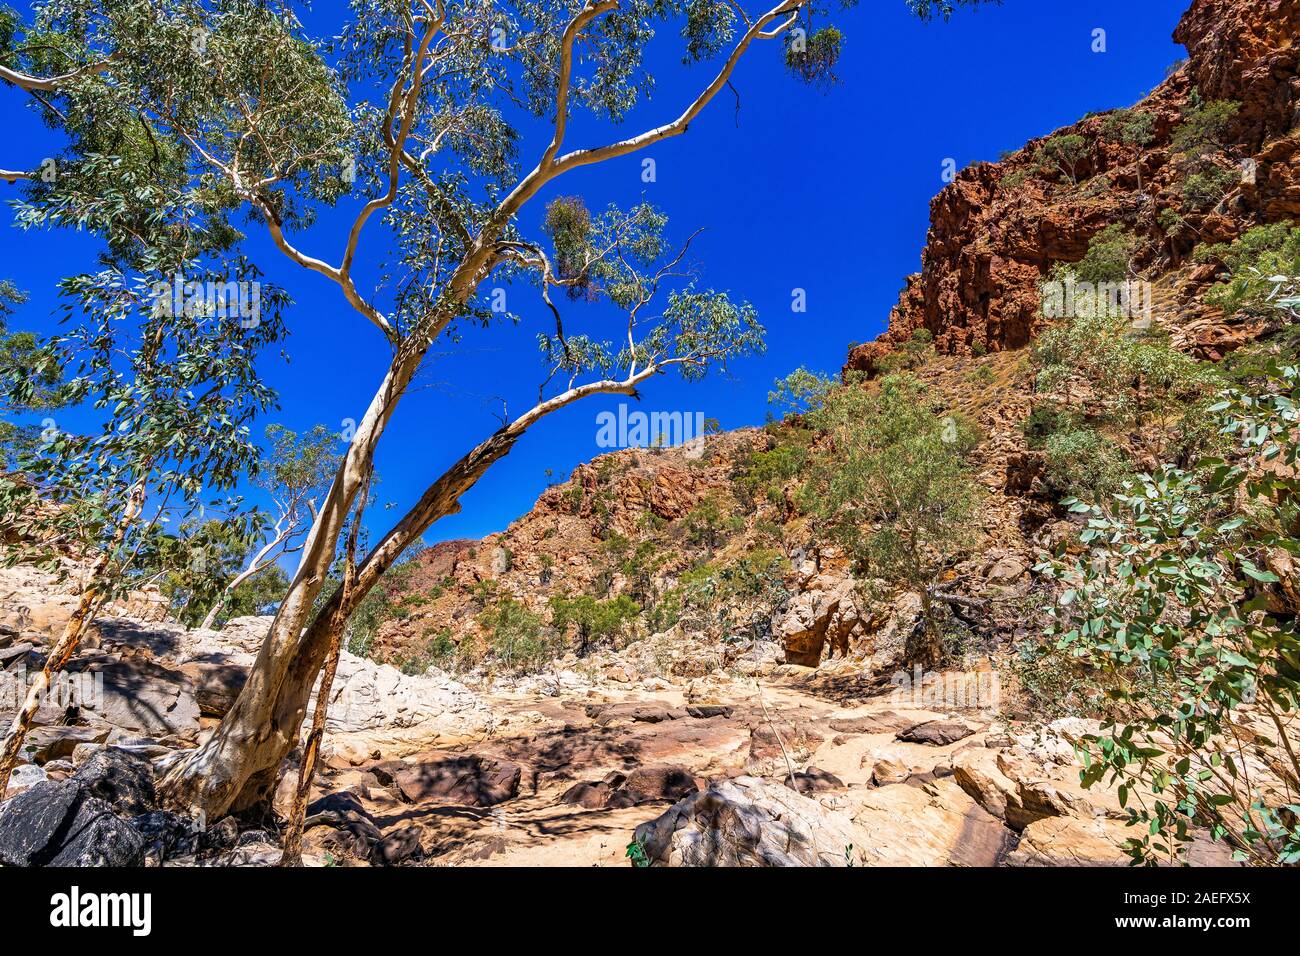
{"x": 784, "y": 765}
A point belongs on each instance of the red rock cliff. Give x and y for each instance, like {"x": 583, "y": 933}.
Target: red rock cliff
{"x": 998, "y": 228}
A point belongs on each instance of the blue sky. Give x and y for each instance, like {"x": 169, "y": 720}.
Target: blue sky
{"x": 827, "y": 192}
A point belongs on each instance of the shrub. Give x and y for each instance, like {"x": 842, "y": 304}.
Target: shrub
{"x": 765, "y": 473}
{"x": 1064, "y": 153}
{"x": 515, "y": 636}
{"x": 1206, "y": 185}
{"x": 1044, "y": 420}
{"x": 1133, "y": 378}
{"x": 1107, "y": 258}
{"x": 800, "y": 391}
{"x": 1204, "y": 126}
{"x": 1176, "y": 606}
{"x": 1082, "y": 464}
{"x": 593, "y": 619}
{"x": 1252, "y": 261}
{"x": 437, "y": 650}
{"x": 378, "y": 607}
{"x": 1130, "y": 127}
{"x": 912, "y": 354}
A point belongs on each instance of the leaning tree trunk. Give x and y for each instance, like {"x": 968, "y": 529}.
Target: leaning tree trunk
{"x": 256, "y": 733}
{"x": 250, "y": 747}
{"x": 238, "y": 766}
{"x": 92, "y": 599}
{"x": 87, "y": 607}
{"x": 292, "y": 854}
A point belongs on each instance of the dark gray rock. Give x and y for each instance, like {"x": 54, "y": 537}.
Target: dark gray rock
{"x": 98, "y": 837}
{"x": 37, "y": 819}
{"x": 74, "y": 822}
{"x": 120, "y": 779}
{"x": 166, "y": 835}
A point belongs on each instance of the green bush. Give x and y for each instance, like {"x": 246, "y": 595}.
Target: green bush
{"x": 516, "y": 638}
{"x": 1206, "y": 185}
{"x": 1045, "y": 420}
{"x": 1252, "y": 261}
{"x": 764, "y": 474}
{"x": 1081, "y": 463}
{"x": 1177, "y": 608}
{"x": 1137, "y": 379}
{"x": 800, "y": 391}
{"x": 436, "y": 650}
{"x": 1107, "y": 258}
{"x": 912, "y": 354}
{"x": 896, "y": 487}
{"x": 592, "y": 619}
{"x": 1063, "y": 153}
{"x": 1204, "y": 126}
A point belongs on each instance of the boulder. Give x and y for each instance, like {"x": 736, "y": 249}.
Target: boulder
{"x": 648, "y": 784}
{"x": 367, "y": 696}
{"x": 887, "y": 770}
{"x": 1006, "y": 570}
{"x": 31, "y": 822}
{"x": 815, "y": 780}
{"x": 216, "y": 685}
{"x": 1098, "y": 841}
{"x": 352, "y": 830}
{"x": 936, "y": 733}
{"x": 652, "y": 713}
{"x": 881, "y": 722}
{"x": 76, "y": 822}
{"x": 98, "y": 837}
{"x": 589, "y": 796}
{"x": 399, "y": 846}
{"x": 25, "y": 775}
{"x": 142, "y": 697}
{"x": 747, "y": 821}
{"x": 44, "y": 744}
{"x": 826, "y": 612}
{"x": 705, "y": 711}
{"x": 122, "y": 780}
{"x": 1017, "y": 788}
{"x": 934, "y": 824}
{"x": 472, "y": 780}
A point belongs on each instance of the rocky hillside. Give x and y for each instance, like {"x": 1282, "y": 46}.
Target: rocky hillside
{"x": 716, "y": 553}
{"x": 997, "y": 231}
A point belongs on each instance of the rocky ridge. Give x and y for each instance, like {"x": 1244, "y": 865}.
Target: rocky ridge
{"x": 998, "y": 229}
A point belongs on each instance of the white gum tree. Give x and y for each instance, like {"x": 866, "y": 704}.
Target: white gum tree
{"x": 182, "y": 115}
